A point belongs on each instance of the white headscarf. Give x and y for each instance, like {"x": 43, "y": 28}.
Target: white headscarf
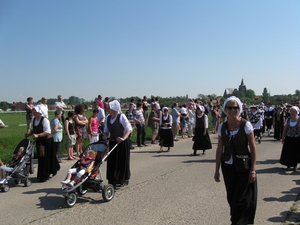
{"x": 235, "y": 99}
{"x": 164, "y": 108}
{"x": 115, "y": 105}
{"x": 38, "y": 109}
{"x": 296, "y": 108}
{"x": 201, "y": 107}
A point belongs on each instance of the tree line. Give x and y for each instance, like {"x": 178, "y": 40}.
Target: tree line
{"x": 249, "y": 97}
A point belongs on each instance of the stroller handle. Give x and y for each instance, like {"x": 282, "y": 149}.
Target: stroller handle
{"x": 110, "y": 151}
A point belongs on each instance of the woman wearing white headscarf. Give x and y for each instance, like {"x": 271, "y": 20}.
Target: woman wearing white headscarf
{"x": 201, "y": 137}
{"x": 234, "y": 135}
{"x": 118, "y": 162}
{"x": 290, "y": 154}
{"x": 41, "y": 131}
{"x": 165, "y": 132}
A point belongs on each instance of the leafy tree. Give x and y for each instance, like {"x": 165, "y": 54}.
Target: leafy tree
{"x": 266, "y": 95}
{"x": 238, "y": 94}
{"x": 203, "y": 98}
{"x": 4, "y": 106}
{"x": 250, "y": 94}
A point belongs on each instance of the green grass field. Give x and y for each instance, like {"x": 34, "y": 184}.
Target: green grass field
{"x": 14, "y": 133}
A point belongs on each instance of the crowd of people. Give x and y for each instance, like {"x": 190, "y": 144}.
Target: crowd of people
{"x": 236, "y": 125}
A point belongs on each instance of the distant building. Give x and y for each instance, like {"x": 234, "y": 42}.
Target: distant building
{"x": 18, "y": 106}
{"x": 229, "y": 91}
{"x": 242, "y": 87}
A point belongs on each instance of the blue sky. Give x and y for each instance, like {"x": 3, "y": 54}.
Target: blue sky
{"x": 163, "y": 48}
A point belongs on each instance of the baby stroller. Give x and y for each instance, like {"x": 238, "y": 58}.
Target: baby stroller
{"x": 90, "y": 180}
{"x": 19, "y": 168}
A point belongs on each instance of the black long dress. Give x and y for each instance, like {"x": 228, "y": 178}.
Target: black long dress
{"x": 47, "y": 160}
{"x": 166, "y": 134}
{"x": 201, "y": 142}
{"x": 278, "y": 128}
{"x": 290, "y": 154}
{"x": 118, "y": 162}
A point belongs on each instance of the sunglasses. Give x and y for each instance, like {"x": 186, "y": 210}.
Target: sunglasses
{"x": 232, "y": 107}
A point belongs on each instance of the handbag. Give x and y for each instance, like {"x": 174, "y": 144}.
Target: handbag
{"x": 241, "y": 163}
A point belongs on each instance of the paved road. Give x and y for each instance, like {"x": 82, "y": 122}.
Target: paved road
{"x": 165, "y": 188}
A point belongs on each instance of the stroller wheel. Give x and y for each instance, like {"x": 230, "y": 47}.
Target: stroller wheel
{"x": 81, "y": 191}
{"x": 5, "y": 188}
{"x": 17, "y": 181}
{"x": 108, "y": 192}
{"x": 27, "y": 183}
{"x": 71, "y": 199}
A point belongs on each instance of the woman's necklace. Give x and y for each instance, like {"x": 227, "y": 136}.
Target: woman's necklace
{"x": 235, "y": 125}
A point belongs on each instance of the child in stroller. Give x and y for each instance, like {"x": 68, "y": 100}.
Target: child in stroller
{"x": 19, "y": 167}
{"x": 85, "y": 164}
{"x": 8, "y": 168}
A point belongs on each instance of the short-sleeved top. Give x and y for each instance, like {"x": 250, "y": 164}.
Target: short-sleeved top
{"x": 57, "y": 136}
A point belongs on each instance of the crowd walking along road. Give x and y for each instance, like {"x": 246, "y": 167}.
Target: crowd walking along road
{"x": 167, "y": 188}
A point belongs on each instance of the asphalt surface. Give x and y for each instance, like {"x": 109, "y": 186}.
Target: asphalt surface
{"x": 165, "y": 188}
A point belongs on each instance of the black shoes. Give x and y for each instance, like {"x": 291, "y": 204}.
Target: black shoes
{"x": 131, "y": 147}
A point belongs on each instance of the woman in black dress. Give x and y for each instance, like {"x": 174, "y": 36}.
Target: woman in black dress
{"x": 118, "y": 128}
{"x": 47, "y": 160}
{"x": 201, "y": 137}
{"x": 165, "y": 132}
{"x": 290, "y": 154}
{"x": 234, "y": 136}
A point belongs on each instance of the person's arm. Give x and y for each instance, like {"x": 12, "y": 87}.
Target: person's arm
{"x": 218, "y": 159}
{"x": 284, "y": 133}
{"x": 252, "y": 175}
{"x": 67, "y": 129}
{"x": 90, "y": 125}
{"x": 127, "y": 128}
{"x": 90, "y": 167}
{"x": 53, "y": 130}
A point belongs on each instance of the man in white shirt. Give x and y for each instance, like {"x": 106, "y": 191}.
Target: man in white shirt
{"x": 60, "y": 105}
{"x": 100, "y": 116}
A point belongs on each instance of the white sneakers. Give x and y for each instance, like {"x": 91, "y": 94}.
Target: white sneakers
{"x": 65, "y": 181}
{"x": 71, "y": 183}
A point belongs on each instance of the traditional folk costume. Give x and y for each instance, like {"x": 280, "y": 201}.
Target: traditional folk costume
{"x": 118, "y": 162}
{"x": 241, "y": 195}
{"x": 255, "y": 118}
{"x": 290, "y": 154}
{"x": 47, "y": 160}
{"x": 268, "y": 114}
{"x": 165, "y": 133}
{"x": 201, "y": 142}
{"x": 279, "y": 119}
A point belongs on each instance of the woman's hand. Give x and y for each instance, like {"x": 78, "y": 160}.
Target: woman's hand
{"x": 217, "y": 176}
{"x": 35, "y": 136}
{"x": 120, "y": 139}
{"x": 252, "y": 177}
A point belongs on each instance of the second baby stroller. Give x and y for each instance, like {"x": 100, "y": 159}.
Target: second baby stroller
{"x": 20, "y": 165}
{"x": 86, "y": 178}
